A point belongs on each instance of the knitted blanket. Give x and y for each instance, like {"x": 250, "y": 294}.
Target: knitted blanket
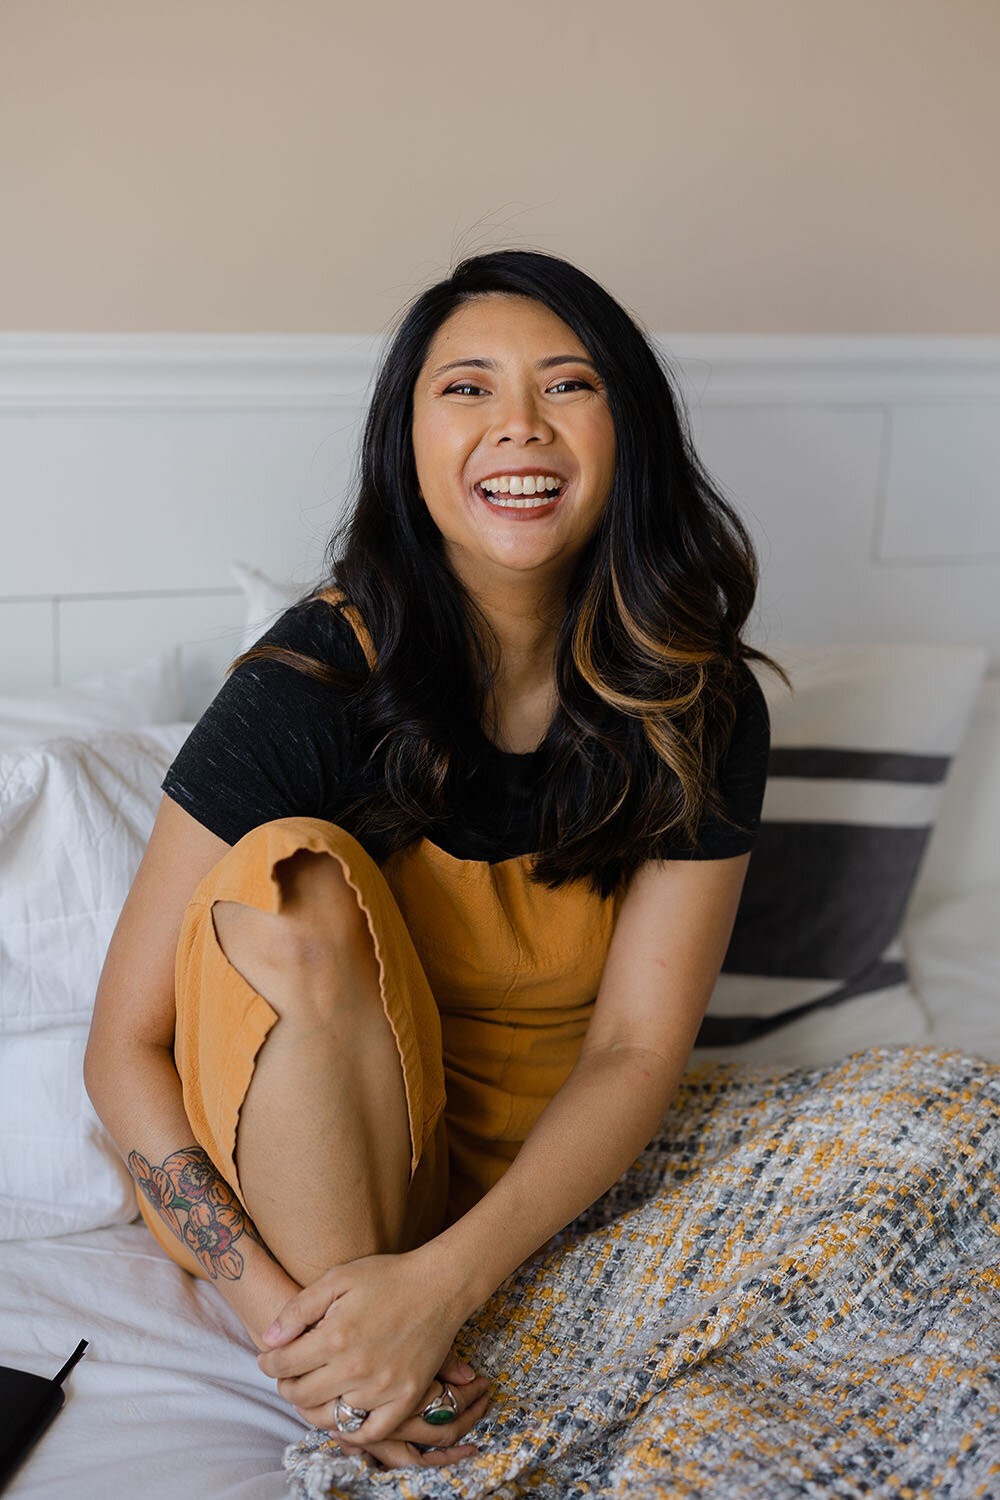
{"x": 795, "y": 1292}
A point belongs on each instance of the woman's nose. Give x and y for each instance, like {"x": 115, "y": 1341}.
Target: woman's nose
{"x": 519, "y": 417}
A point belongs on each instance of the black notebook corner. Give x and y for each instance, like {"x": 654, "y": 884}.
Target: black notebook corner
{"x": 28, "y": 1404}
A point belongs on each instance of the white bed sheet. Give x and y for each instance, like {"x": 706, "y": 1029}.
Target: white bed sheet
{"x": 168, "y": 1403}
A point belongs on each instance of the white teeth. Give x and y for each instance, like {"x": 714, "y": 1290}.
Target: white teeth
{"x": 517, "y": 484}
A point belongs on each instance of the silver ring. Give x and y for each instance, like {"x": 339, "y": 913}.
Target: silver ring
{"x": 348, "y": 1418}
{"x": 443, "y": 1409}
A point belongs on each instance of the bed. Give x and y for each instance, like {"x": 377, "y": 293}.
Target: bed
{"x": 871, "y": 925}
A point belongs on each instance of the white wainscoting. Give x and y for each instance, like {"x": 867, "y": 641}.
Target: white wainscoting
{"x": 134, "y": 470}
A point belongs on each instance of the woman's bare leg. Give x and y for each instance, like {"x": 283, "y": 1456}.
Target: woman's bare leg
{"x": 323, "y": 1145}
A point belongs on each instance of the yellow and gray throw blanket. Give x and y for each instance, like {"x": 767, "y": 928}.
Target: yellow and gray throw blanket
{"x": 795, "y": 1292}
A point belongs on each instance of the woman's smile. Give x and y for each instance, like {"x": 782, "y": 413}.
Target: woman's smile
{"x": 523, "y": 496}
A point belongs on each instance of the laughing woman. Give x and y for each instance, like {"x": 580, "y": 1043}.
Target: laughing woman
{"x": 443, "y": 878}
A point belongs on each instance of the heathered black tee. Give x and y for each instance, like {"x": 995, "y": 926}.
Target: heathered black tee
{"x": 276, "y": 743}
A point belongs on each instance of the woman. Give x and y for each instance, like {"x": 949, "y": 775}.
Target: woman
{"x": 444, "y": 876}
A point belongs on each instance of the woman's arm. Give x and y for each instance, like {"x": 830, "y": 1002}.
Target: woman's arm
{"x": 395, "y": 1311}
{"x": 129, "y": 1067}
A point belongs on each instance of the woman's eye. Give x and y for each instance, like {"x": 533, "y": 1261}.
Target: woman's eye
{"x": 466, "y": 385}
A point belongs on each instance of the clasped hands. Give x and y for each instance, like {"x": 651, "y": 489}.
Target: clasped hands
{"x": 377, "y": 1334}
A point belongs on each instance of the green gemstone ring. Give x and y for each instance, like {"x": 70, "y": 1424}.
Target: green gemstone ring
{"x": 441, "y": 1411}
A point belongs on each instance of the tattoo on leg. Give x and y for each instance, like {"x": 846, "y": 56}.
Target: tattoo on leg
{"x": 199, "y": 1206}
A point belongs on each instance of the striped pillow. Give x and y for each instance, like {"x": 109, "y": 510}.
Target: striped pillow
{"x": 859, "y": 755}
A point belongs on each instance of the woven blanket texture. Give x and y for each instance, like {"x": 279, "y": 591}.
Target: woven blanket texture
{"x": 795, "y": 1291}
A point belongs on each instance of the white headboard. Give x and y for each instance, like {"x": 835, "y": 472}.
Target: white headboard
{"x": 134, "y": 470}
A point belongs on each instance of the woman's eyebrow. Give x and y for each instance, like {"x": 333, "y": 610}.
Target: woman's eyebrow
{"x": 542, "y": 364}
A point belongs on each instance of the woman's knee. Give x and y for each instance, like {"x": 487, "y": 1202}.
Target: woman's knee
{"x": 319, "y": 930}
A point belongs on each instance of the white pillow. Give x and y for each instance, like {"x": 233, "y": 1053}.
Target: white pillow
{"x": 859, "y": 756}
{"x": 953, "y": 952}
{"x": 264, "y": 600}
{"x": 964, "y": 854}
{"x": 59, "y": 1170}
{"x": 75, "y": 816}
{"x": 148, "y": 693}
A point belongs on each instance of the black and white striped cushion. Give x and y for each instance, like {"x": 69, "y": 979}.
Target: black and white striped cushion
{"x": 859, "y": 755}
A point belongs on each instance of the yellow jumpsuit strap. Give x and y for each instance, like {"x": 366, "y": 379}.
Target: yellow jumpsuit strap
{"x": 336, "y": 596}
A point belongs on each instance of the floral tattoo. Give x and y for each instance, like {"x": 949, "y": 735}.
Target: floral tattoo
{"x": 199, "y": 1206}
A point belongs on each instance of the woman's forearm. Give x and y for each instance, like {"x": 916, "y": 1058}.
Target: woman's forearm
{"x": 140, "y": 1102}
{"x": 604, "y": 1115}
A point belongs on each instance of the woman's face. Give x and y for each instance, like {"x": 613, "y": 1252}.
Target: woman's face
{"x": 519, "y": 399}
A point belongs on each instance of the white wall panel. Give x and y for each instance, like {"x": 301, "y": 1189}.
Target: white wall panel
{"x": 943, "y": 490}
{"x": 105, "y": 501}
{"x": 100, "y": 634}
{"x": 947, "y": 603}
{"x": 805, "y": 478}
{"x": 27, "y": 646}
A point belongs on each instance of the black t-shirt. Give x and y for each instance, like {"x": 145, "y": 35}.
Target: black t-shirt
{"x": 277, "y": 743}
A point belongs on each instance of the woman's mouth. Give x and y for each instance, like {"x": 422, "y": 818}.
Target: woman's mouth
{"x": 522, "y": 507}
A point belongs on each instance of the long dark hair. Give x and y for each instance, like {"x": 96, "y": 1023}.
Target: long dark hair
{"x": 648, "y": 658}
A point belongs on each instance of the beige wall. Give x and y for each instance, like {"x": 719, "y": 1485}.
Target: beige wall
{"x": 739, "y": 166}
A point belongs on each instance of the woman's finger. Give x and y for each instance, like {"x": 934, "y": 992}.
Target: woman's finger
{"x": 397, "y": 1455}
{"x": 413, "y": 1430}
{"x": 455, "y": 1371}
{"x": 464, "y": 1394}
{"x": 308, "y": 1378}
{"x": 312, "y": 1350}
{"x": 472, "y": 1404}
{"x": 320, "y": 1386}
{"x": 381, "y": 1425}
{"x": 303, "y": 1310}
{"x": 382, "y": 1422}
{"x": 437, "y": 1458}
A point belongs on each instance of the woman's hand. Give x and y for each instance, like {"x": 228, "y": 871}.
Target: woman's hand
{"x": 374, "y": 1333}
{"x": 416, "y": 1441}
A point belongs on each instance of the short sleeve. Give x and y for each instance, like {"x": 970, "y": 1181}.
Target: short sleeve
{"x": 742, "y": 777}
{"x": 275, "y": 742}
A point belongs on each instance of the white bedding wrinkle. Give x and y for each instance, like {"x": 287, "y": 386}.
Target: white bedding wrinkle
{"x": 75, "y": 815}
{"x": 59, "y": 1172}
{"x": 168, "y": 1401}
{"x": 148, "y": 693}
